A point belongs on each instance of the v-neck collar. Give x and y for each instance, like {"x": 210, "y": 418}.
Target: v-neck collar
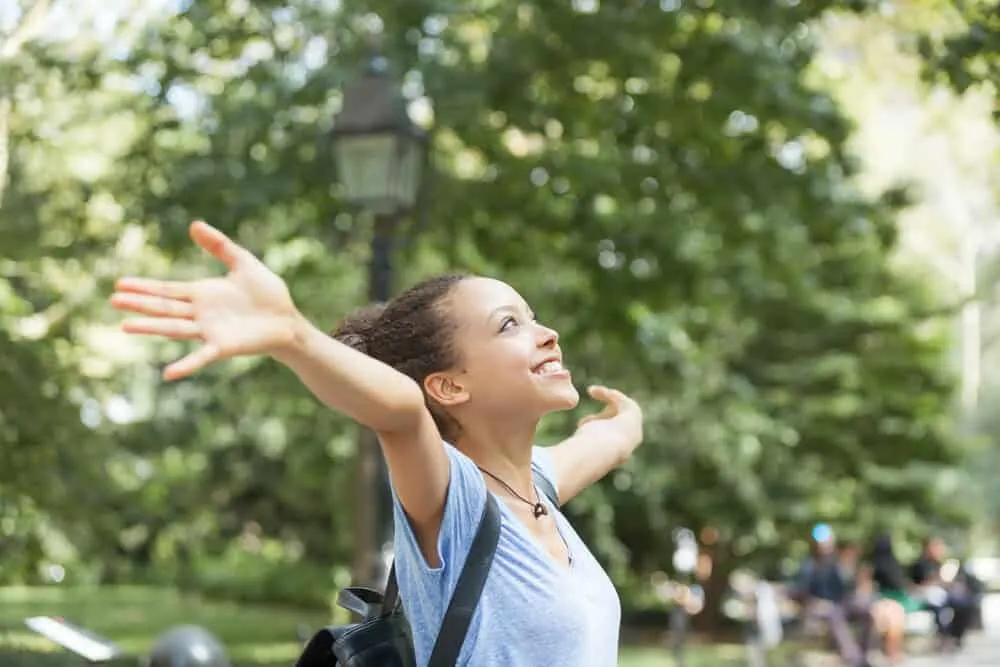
{"x": 565, "y": 567}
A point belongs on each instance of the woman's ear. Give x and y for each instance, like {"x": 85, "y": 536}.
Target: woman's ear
{"x": 446, "y": 390}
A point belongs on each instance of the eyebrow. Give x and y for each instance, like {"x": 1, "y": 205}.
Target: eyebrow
{"x": 507, "y": 308}
{"x": 501, "y": 309}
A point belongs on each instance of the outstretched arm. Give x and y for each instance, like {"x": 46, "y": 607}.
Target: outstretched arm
{"x": 370, "y": 392}
{"x": 601, "y": 443}
{"x": 391, "y": 404}
{"x": 249, "y": 312}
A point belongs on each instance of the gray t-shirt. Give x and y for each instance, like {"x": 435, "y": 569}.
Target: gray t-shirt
{"x": 534, "y": 612}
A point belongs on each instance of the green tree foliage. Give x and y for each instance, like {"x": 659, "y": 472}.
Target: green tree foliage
{"x": 968, "y": 56}
{"x": 662, "y": 183}
{"x": 964, "y": 53}
{"x": 54, "y": 212}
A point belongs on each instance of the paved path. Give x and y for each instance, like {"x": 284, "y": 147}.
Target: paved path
{"x": 982, "y": 648}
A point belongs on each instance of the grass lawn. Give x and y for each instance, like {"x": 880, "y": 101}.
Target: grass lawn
{"x": 255, "y": 636}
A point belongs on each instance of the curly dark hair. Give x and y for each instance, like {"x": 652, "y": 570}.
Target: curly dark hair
{"x": 413, "y": 333}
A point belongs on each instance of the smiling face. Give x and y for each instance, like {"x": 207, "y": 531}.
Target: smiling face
{"x": 510, "y": 365}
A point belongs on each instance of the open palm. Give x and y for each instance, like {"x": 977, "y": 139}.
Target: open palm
{"x": 619, "y": 423}
{"x": 249, "y": 311}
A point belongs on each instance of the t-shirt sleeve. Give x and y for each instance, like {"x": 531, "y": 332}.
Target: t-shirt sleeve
{"x": 541, "y": 459}
{"x": 463, "y": 511}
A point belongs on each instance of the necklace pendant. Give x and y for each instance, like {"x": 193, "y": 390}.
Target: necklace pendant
{"x": 540, "y": 510}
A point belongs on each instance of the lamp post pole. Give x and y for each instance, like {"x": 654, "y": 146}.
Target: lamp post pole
{"x": 380, "y": 156}
{"x": 372, "y": 498}
{"x": 685, "y": 560}
{"x": 380, "y": 278}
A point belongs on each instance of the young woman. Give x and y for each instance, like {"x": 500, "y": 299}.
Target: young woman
{"x": 895, "y": 599}
{"x": 453, "y": 375}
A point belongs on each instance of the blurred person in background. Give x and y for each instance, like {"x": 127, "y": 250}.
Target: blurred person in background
{"x": 945, "y": 593}
{"x": 893, "y": 596}
{"x": 827, "y": 596}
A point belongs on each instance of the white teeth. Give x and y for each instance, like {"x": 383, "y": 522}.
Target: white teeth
{"x": 549, "y": 367}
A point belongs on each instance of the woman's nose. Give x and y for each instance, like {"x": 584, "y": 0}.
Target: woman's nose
{"x": 547, "y": 337}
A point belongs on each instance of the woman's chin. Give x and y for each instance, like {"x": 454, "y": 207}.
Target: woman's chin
{"x": 564, "y": 398}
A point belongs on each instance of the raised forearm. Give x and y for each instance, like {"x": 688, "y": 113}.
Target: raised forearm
{"x": 368, "y": 391}
{"x": 583, "y": 459}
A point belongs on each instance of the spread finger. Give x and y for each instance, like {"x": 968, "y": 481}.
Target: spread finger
{"x": 177, "y": 329}
{"x": 155, "y": 306}
{"x": 171, "y": 289}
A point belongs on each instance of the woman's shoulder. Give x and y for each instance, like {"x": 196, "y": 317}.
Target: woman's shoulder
{"x": 460, "y": 518}
{"x": 541, "y": 461}
{"x": 463, "y": 469}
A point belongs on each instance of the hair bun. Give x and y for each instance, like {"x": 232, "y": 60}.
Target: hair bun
{"x": 356, "y": 329}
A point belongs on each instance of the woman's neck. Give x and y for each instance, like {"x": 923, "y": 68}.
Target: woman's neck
{"x": 502, "y": 450}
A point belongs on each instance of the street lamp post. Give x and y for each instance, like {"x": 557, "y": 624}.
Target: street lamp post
{"x": 379, "y": 155}
{"x": 685, "y": 561}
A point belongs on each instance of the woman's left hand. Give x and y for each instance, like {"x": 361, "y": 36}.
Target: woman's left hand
{"x": 602, "y": 442}
{"x": 618, "y": 425}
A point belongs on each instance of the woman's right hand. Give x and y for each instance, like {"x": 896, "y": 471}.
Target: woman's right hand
{"x": 249, "y": 311}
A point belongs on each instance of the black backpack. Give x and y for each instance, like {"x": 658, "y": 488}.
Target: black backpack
{"x": 383, "y": 637}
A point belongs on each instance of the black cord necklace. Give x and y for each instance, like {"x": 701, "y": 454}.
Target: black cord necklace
{"x": 538, "y": 510}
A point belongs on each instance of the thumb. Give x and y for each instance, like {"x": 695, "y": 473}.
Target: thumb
{"x": 606, "y": 396}
{"x": 599, "y": 392}
{"x": 193, "y": 362}
{"x": 216, "y": 243}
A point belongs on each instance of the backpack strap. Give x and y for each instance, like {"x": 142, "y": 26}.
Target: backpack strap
{"x": 543, "y": 484}
{"x": 390, "y": 599}
{"x": 469, "y": 588}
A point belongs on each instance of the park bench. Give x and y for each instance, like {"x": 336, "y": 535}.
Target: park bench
{"x": 814, "y": 644}
{"x": 775, "y": 626}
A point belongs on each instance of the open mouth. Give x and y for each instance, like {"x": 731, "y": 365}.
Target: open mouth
{"x": 551, "y": 367}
